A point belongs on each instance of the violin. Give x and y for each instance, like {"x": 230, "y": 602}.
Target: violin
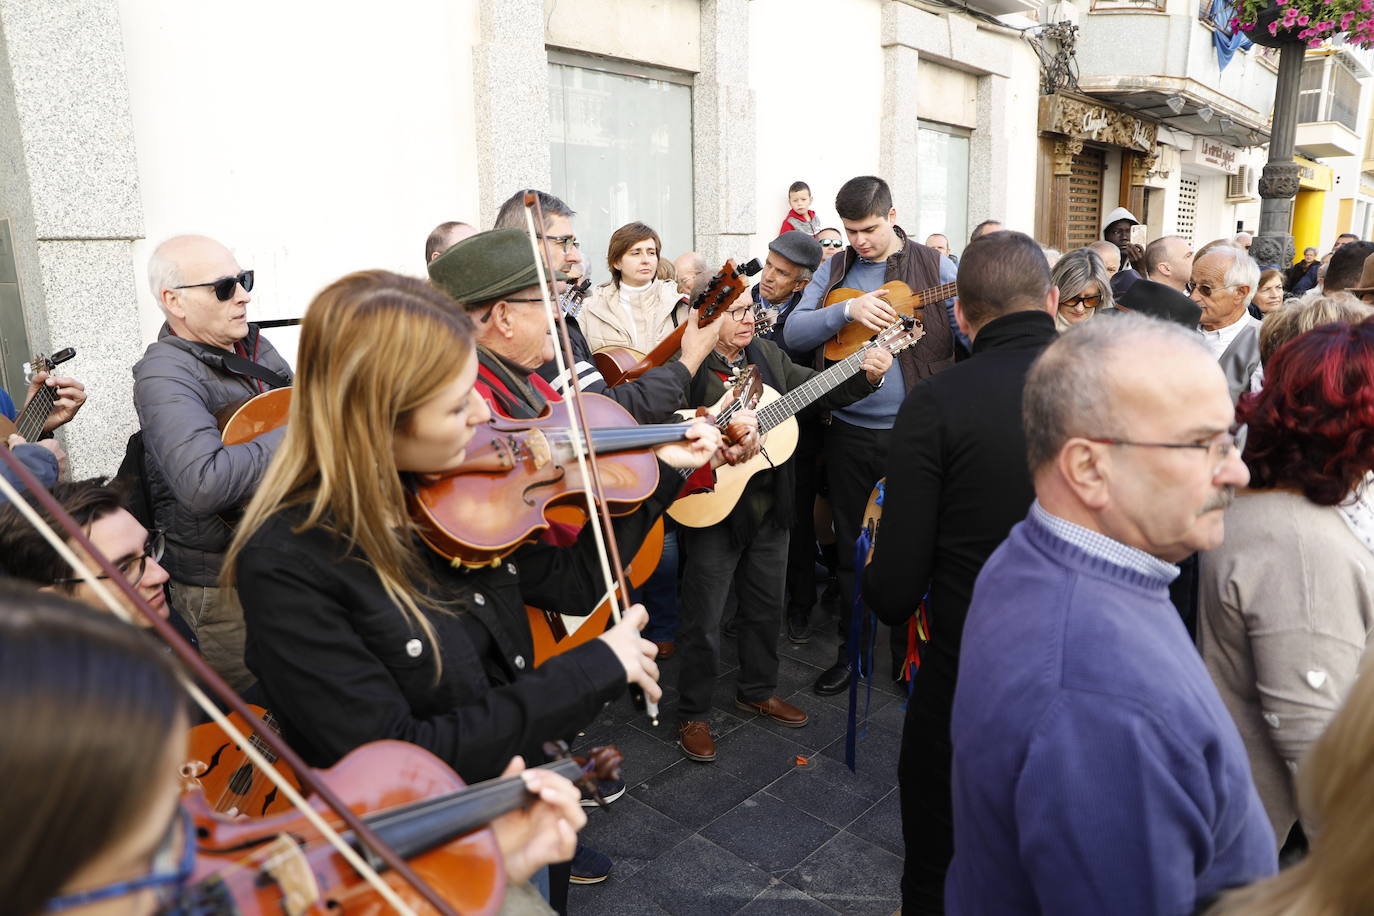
{"x": 414, "y": 802}
{"x": 516, "y": 470}
{"x": 622, "y": 364}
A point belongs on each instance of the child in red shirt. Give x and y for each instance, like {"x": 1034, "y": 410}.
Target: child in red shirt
{"x": 801, "y": 217}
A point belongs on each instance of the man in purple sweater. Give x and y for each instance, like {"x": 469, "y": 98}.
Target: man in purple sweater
{"x": 1095, "y": 768}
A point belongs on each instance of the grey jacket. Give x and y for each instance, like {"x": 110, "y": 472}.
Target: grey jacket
{"x": 1241, "y": 359}
{"x": 192, "y": 475}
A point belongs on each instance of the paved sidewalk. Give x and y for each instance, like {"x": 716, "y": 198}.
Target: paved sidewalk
{"x": 776, "y": 825}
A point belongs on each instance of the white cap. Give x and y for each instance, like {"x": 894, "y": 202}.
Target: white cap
{"x": 1118, "y": 214}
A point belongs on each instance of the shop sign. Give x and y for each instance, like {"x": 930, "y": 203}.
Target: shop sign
{"x": 1082, "y": 120}
{"x": 1313, "y": 176}
{"x": 1212, "y": 154}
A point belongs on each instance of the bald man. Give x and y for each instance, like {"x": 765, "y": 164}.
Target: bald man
{"x": 206, "y": 357}
{"x": 689, "y": 267}
{"x": 444, "y": 236}
{"x": 1110, "y": 254}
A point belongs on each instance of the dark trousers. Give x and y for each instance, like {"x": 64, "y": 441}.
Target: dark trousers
{"x": 924, "y": 774}
{"x": 801, "y": 548}
{"x": 855, "y": 460}
{"x": 710, "y": 562}
{"x": 658, "y": 594}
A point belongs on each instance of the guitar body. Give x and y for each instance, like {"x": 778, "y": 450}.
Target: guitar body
{"x": 243, "y": 421}
{"x": 223, "y": 771}
{"x": 7, "y": 429}
{"x": 901, "y": 297}
{"x": 555, "y": 633}
{"x": 616, "y": 364}
{"x": 700, "y": 510}
{"x": 873, "y": 518}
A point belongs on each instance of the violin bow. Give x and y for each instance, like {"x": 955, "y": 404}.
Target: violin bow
{"x": 207, "y": 676}
{"x": 607, "y": 548}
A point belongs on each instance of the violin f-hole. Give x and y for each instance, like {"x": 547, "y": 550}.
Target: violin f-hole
{"x": 547, "y": 482}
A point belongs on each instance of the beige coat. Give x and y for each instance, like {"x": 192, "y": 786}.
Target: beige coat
{"x": 1286, "y": 606}
{"x": 605, "y": 323}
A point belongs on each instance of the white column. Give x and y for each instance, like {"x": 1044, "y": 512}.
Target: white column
{"x": 723, "y": 135}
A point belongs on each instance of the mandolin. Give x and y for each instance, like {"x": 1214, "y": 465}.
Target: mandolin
{"x": 855, "y": 334}
{"x": 34, "y": 416}
{"x": 243, "y": 421}
{"x": 622, "y": 364}
{"x": 777, "y": 415}
{"x": 223, "y": 772}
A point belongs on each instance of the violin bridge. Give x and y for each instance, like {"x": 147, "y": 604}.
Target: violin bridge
{"x": 538, "y": 445}
{"x": 285, "y": 864}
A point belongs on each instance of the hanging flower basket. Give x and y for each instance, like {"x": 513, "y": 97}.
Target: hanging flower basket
{"x": 1274, "y": 23}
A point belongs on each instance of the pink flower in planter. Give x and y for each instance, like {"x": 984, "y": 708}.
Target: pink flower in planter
{"x": 1302, "y": 20}
{"x": 1273, "y": 28}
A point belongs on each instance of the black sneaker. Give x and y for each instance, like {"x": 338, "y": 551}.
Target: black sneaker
{"x": 589, "y": 866}
{"x": 610, "y": 790}
{"x": 798, "y": 630}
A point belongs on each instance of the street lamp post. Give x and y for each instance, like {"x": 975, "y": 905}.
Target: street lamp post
{"x": 1278, "y": 183}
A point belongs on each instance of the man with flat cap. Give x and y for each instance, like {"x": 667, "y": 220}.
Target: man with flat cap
{"x": 1160, "y": 301}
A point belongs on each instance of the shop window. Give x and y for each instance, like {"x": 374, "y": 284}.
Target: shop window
{"x": 941, "y": 183}
{"x": 621, "y": 149}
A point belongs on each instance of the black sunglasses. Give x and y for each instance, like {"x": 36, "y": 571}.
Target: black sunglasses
{"x": 224, "y": 286}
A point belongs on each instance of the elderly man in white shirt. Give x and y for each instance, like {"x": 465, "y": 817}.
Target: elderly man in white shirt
{"x": 1224, "y": 282}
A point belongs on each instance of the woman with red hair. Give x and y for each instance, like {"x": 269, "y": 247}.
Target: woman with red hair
{"x": 1287, "y": 602}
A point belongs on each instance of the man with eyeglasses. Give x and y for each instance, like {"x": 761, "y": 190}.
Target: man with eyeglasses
{"x": 207, "y": 357}
{"x": 1169, "y": 260}
{"x": 655, "y": 395}
{"x": 99, "y": 510}
{"x": 749, "y": 548}
{"x": 1224, "y": 281}
{"x": 1089, "y": 740}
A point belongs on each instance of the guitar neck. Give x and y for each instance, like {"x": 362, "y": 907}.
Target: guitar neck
{"x": 35, "y": 414}
{"x": 659, "y": 354}
{"x": 809, "y": 391}
{"x": 937, "y": 293}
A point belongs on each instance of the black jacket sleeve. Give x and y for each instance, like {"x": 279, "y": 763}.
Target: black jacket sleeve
{"x": 899, "y": 575}
{"x": 655, "y": 395}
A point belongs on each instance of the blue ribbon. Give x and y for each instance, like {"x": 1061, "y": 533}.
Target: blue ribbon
{"x": 861, "y": 650}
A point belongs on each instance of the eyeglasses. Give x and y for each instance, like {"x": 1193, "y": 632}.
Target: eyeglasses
{"x": 1206, "y": 289}
{"x": 172, "y": 865}
{"x": 132, "y": 568}
{"x": 1089, "y": 302}
{"x": 1219, "y": 448}
{"x": 568, "y": 242}
{"x": 487, "y": 315}
{"x": 224, "y": 286}
{"x": 831, "y": 243}
{"x": 740, "y": 313}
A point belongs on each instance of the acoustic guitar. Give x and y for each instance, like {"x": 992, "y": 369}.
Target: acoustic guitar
{"x": 229, "y": 779}
{"x": 900, "y": 296}
{"x": 778, "y": 428}
{"x": 34, "y": 416}
{"x": 245, "y": 420}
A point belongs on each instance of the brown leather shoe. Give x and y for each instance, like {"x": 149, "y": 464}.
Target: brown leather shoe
{"x": 665, "y": 650}
{"x": 776, "y": 709}
{"x": 695, "y": 740}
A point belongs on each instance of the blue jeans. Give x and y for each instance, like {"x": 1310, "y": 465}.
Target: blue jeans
{"x": 659, "y": 593}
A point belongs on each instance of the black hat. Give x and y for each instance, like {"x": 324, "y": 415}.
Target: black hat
{"x": 1159, "y": 301}
{"x": 799, "y": 248}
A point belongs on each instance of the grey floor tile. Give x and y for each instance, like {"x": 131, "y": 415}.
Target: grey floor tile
{"x": 612, "y": 897}
{"x": 769, "y": 832}
{"x": 722, "y": 722}
{"x": 785, "y": 900}
{"x": 876, "y": 754}
{"x": 826, "y": 722}
{"x": 756, "y": 756}
{"x": 691, "y": 793}
{"x": 882, "y": 824}
{"x": 645, "y": 756}
{"x": 818, "y": 652}
{"x": 881, "y": 697}
{"x": 698, "y": 878}
{"x": 826, "y": 789}
{"x": 632, "y": 834}
{"x": 851, "y": 875}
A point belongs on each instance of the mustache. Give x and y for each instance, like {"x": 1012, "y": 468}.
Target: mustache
{"x": 1222, "y": 498}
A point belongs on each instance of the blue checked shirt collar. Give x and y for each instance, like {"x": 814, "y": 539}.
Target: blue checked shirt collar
{"x": 1103, "y": 547}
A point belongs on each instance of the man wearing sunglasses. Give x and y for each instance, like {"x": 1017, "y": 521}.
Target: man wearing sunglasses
{"x": 207, "y": 357}
{"x": 1224, "y": 282}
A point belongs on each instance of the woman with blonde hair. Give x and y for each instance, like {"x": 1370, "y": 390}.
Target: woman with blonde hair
{"x": 637, "y": 308}
{"x": 356, "y": 630}
{"x": 1298, "y": 316}
{"x": 1084, "y": 287}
